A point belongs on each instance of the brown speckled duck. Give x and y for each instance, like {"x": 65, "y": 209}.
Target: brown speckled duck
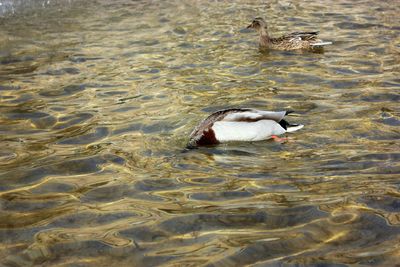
{"x": 292, "y": 41}
{"x": 241, "y": 124}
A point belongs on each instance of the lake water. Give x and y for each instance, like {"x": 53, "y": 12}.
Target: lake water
{"x": 98, "y": 99}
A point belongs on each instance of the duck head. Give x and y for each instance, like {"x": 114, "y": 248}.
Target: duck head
{"x": 257, "y": 24}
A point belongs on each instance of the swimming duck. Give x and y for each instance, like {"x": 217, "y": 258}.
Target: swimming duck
{"x": 241, "y": 124}
{"x": 292, "y": 41}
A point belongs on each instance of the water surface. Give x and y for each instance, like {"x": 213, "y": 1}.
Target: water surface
{"x": 97, "y": 101}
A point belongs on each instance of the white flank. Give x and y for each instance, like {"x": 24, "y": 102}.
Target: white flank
{"x": 246, "y": 131}
{"x": 294, "y": 128}
{"x": 321, "y": 44}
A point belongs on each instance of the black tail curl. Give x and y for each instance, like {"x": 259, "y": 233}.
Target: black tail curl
{"x": 286, "y": 124}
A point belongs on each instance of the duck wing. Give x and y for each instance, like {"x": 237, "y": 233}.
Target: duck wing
{"x": 251, "y": 115}
{"x": 295, "y": 37}
{"x": 303, "y": 35}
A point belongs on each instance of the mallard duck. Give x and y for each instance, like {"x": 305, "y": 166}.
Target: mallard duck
{"x": 241, "y": 124}
{"x": 292, "y": 41}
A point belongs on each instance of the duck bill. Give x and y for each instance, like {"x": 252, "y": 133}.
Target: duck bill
{"x": 250, "y": 26}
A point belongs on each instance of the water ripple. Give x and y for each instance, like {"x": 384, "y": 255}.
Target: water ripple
{"x": 97, "y": 102}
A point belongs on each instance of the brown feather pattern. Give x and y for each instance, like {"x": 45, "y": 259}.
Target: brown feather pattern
{"x": 292, "y": 41}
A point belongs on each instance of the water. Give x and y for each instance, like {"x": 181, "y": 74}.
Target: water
{"x": 98, "y": 99}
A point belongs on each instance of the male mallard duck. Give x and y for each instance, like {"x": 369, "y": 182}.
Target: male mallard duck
{"x": 292, "y": 41}
{"x": 241, "y": 124}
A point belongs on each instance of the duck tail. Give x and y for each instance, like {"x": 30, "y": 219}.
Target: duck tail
{"x": 290, "y": 127}
{"x": 321, "y": 43}
{"x": 294, "y": 127}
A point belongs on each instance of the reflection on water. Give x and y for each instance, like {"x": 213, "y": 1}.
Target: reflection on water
{"x": 97, "y": 101}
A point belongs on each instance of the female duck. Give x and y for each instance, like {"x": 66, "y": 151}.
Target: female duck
{"x": 241, "y": 124}
{"x": 292, "y": 41}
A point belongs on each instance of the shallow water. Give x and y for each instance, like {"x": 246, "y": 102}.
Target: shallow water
{"x": 97, "y": 101}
